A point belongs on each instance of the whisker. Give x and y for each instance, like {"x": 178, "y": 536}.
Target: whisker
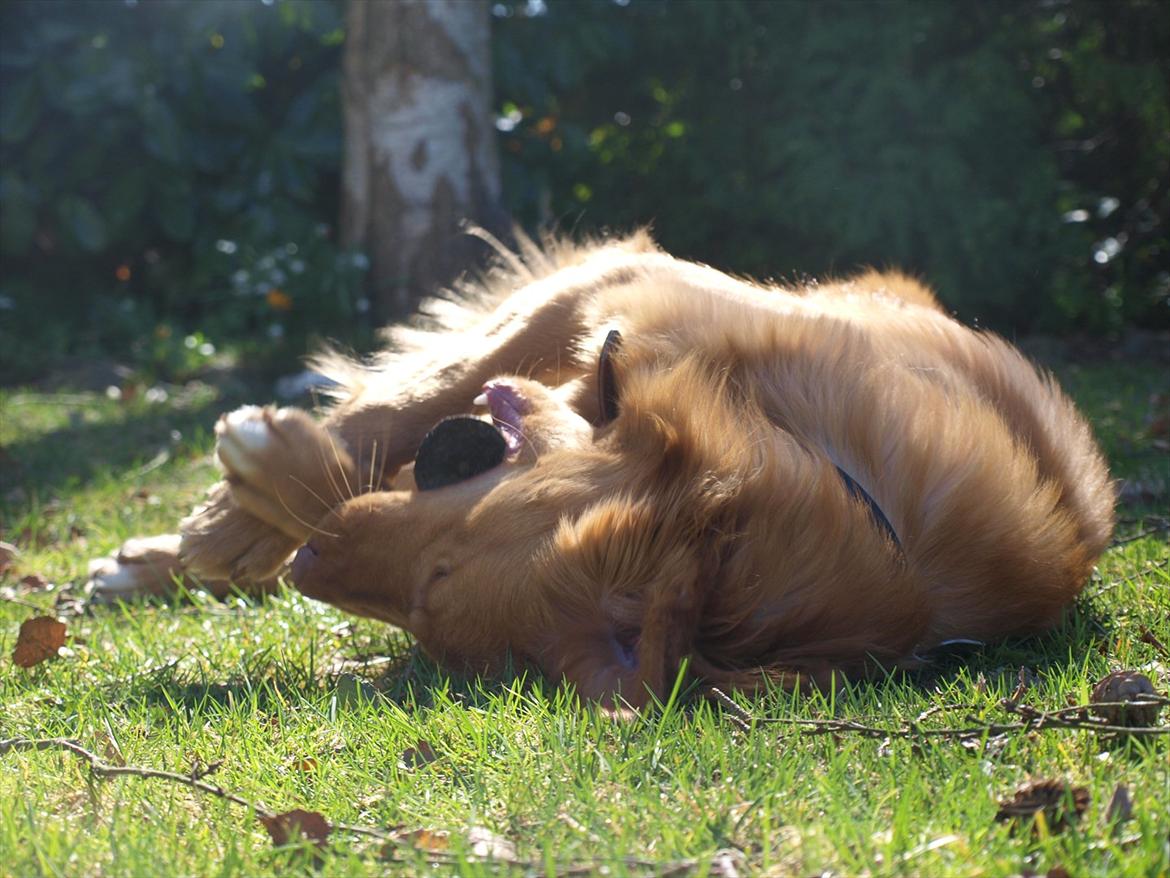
{"x": 373, "y": 460}
{"x": 337, "y": 495}
{"x": 505, "y": 425}
{"x": 317, "y": 496}
{"x": 337, "y": 457}
{"x": 357, "y": 462}
{"x": 382, "y": 468}
{"x": 300, "y": 520}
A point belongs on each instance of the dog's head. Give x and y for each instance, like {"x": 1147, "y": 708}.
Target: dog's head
{"x": 581, "y": 550}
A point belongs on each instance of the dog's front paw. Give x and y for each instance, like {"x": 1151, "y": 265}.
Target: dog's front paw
{"x": 142, "y": 566}
{"x": 283, "y": 467}
{"x": 220, "y": 540}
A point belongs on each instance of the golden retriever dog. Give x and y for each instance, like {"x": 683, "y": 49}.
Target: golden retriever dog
{"x": 653, "y": 462}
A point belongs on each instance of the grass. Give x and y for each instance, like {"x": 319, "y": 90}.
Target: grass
{"x": 307, "y": 708}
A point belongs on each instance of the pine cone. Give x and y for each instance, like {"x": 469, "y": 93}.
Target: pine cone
{"x": 1125, "y": 686}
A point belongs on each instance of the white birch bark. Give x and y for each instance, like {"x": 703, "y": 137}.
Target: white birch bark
{"x": 420, "y": 151}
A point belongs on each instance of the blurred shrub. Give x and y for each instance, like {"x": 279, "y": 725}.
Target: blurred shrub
{"x": 1015, "y": 154}
{"x": 167, "y": 167}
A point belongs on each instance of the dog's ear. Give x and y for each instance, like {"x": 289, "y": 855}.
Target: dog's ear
{"x": 627, "y": 589}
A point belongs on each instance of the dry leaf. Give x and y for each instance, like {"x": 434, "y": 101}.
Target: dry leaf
{"x": 305, "y": 764}
{"x": 1120, "y": 808}
{"x": 485, "y": 843}
{"x": 1113, "y": 693}
{"x": 39, "y": 639}
{"x": 8, "y": 554}
{"x": 480, "y": 843}
{"x": 35, "y": 582}
{"x": 1059, "y": 803}
{"x": 418, "y": 756}
{"x": 726, "y": 864}
{"x": 297, "y": 823}
{"x": 430, "y": 841}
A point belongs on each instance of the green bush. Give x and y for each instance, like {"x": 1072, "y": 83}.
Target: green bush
{"x": 169, "y": 163}
{"x": 954, "y": 140}
{"x": 173, "y": 167}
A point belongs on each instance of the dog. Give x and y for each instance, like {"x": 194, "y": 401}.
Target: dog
{"x": 613, "y": 464}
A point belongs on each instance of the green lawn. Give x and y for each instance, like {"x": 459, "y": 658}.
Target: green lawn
{"x": 302, "y": 707}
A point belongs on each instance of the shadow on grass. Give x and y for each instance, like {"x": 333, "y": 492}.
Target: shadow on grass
{"x": 1085, "y": 628}
{"x": 70, "y": 456}
{"x": 414, "y": 682}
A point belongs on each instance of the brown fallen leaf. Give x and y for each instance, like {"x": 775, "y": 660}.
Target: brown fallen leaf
{"x": 429, "y": 841}
{"x": 290, "y": 825}
{"x": 480, "y": 842}
{"x": 35, "y": 582}
{"x": 1057, "y": 801}
{"x": 8, "y": 554}
{"x": 305, "y": 764}
{"x": 38, "y": 640}
{"x": 418, "y": 756}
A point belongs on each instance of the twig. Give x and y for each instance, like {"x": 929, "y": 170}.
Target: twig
{"x": 103, "y": 769}
{"x": 1141, "y": 535}
{"x": 400, "y": 838}
{"x": 1149, "y": 637}
{"x": 21, "y": 602}
{"x": 1031, "y": 719}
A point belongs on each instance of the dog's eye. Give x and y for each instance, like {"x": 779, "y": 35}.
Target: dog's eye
{"x": 607, "y": 392}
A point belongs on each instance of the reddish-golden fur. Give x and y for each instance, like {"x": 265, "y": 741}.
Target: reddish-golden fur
{"x": 710, "y": 519}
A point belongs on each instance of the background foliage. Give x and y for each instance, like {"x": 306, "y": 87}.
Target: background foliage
{"x": 167, "y": 168}
{"x": 170, "y": 167}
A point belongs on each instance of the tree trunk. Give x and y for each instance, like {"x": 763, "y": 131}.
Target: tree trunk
{"x": 420, "y": 150}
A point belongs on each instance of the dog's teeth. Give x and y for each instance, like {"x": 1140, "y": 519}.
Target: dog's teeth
{"x": 480, "y": 400}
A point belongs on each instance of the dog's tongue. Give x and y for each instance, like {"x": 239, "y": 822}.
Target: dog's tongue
{"x": 456, "y": 449}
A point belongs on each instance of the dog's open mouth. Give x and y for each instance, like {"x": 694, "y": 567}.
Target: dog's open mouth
{"x": 507, "y": 406}
{"x": 461, "y": 447}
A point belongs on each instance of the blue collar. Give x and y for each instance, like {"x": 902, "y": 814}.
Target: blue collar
{"x": 875, "y": 511}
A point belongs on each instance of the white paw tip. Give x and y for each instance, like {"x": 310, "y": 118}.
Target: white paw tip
{"x": 115, "y": 579}
{"x": 480, "y": 400}
{"x": 248, "y": 429}
{"x": 98, "y": 566}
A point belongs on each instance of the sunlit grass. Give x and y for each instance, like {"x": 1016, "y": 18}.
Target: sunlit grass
{"x": 307, "y": 708}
